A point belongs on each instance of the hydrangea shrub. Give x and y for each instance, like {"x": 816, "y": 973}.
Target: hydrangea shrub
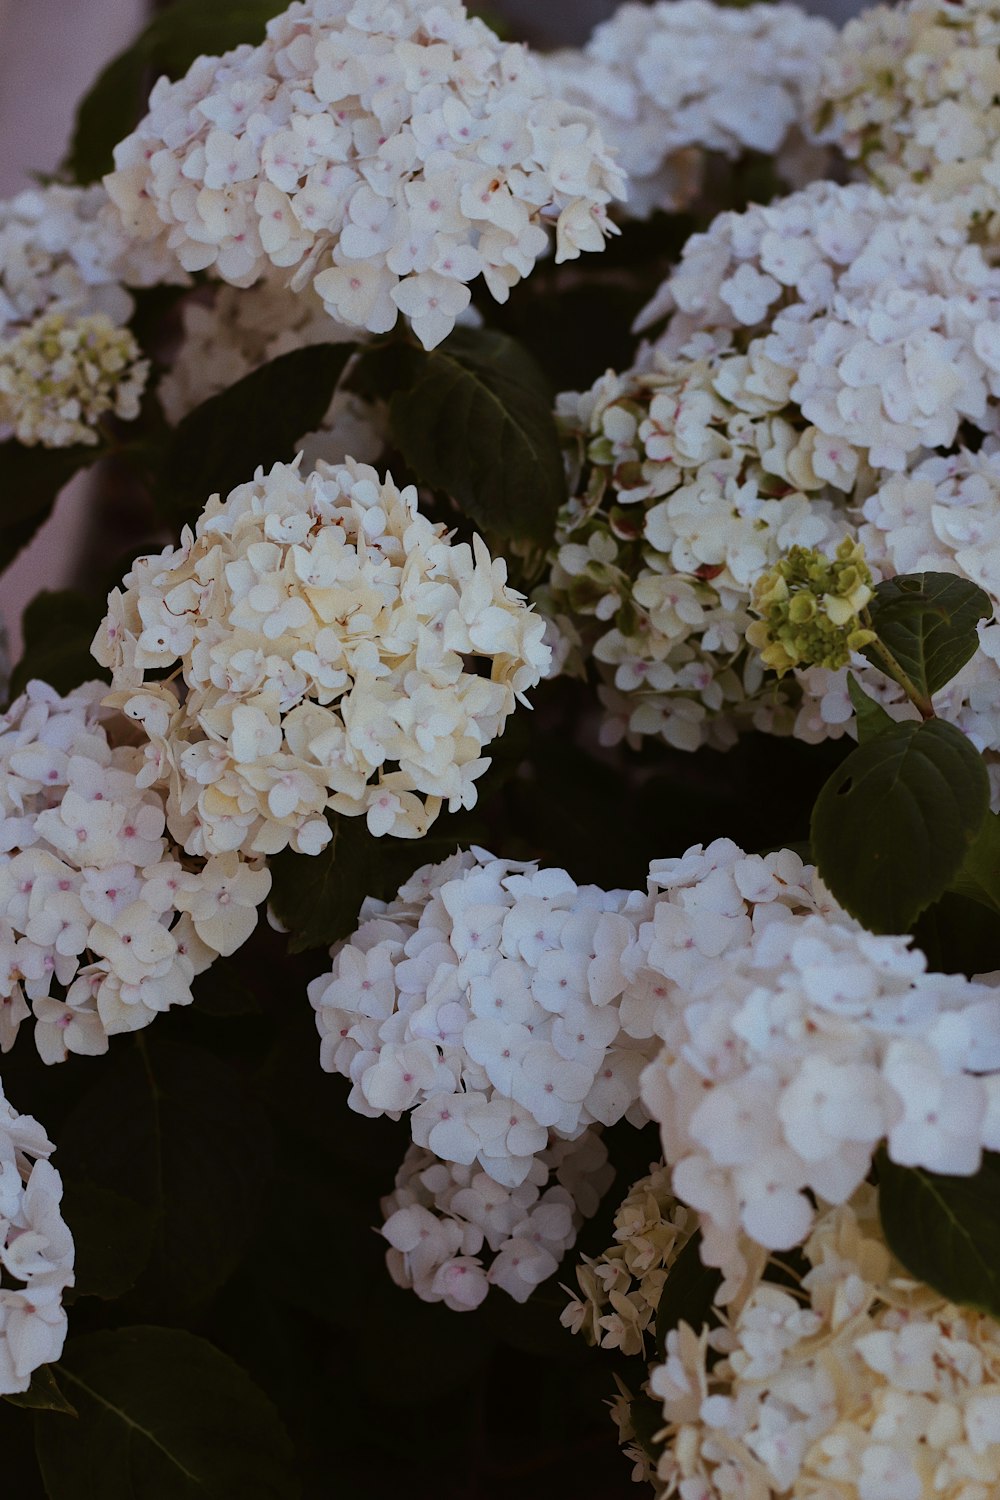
{"x": 500, "y": 831}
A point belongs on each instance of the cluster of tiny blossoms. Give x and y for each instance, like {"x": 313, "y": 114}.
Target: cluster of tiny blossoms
{"x": 656, "y": 77}
{"x": 63, "y": 249}
{"x": 911, "y": 94}
{"x": 36, "y": 1251}
{"x": 387, "y": 153}
{"x": 810, "y": 609}
{"x": 874, "y": 315}
{"x": 101, "y": 925}
{"x": 851, "y": 1383}
{"x": 687, "y": 485}
{"x": 483, "y": 1001}
{"x": 858, "y": 328}
{"x": 794, "y": 1043}
{"x": 325, "y": 633}
{"x": 621, "y": 1289}
{"x": 240, "y": 330}
{"x": 60, "y": 376}
{"x": 442, "y": 1215}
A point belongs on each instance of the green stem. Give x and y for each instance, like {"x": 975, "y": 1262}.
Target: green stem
{"x": 892, "y": 669}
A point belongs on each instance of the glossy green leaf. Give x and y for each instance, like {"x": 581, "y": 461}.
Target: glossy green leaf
{"x": 257, "y": 421}
{"x": 163, "y": 1416}
{"x": 946, "y": 1230}
{"x": 170, "y": 43}
{"x": 893, "y": 824}
{"x": 871, "y": 717}
{"x": 58, "y": 628}
{"x": 476, "y": 422}
{"x": 43, "y": 1394}
{"x": 177, "y": 1131}
{"x": 928, "y": 623}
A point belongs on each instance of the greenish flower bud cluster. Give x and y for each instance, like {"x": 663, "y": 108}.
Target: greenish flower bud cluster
{"x": 812, "y": 609}
{"x": 60, "y": 375}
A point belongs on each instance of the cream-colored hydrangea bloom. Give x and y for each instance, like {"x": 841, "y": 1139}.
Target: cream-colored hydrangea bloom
{"x": 59, "y": 376}
{"x": 912, "y": 93}
{"x": 319, "y": 634}
{"x": 851, "y": 1382}
{"x": 620, "y": 1290}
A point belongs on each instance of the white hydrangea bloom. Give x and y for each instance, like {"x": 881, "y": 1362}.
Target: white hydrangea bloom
{"x": 63, "y": 249}
{"x": 322, "y": 628}
{"x": 443, "y": 1216}
{"x": 484, "y": 1001}
{"x": 855, "y": 1383}
{"x": 689, "y": 479}
{"x": 60, "y": 376}
{"x": 794, "y": 1043}
{"x": 911, "y": 94}
{"x": 878, "y": 311}
{"x": 36, "y": 1251}
{"x": 387, "y": 154}
{"x": 658, "y": 79}
{"x": 237, "y": 332}
{"x": 102, "y": 925}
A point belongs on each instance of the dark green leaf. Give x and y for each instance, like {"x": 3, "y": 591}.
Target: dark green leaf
{"x": 30, "y": 482}
{"x": 163, "y": 1416}
{"x": 58, "y": 628}
{"x": 317, "y": 897}
{"x": 169, "y": 44}
{"x": 959, "y": 936}
{"x": 946, "y": 1230}
{"x": 477, "y": 422}
{"x": 176, "y": 1130}
{"x": 871, "y": 716}
{"x": 688, "y": 1293}
{"x": 928, "y": 622}
{"x": 893, "y": 824}
{"x": 256, "y": 421}
{"x": 43, "y": 1394}
{"x": 113, "y": 1236}
{"x": 979, "y": 876}
{"x": 646, "y": 1416}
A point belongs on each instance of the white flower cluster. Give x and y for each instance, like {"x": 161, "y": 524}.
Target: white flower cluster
{"x": 794, "y": 1043}
{"x": 63, "y": 249}
{"x": 36, "y": 1251}
{"x": 101, "y": 925}
{"x": 240, "y": 330}
{"x": 658, "y": 80}
{"x": 876, "y": 316}
{"x": 686, "y": 486}
{"x": 326, "y": 634}
{"x": 442, "y": 1214}
{"x": 484, "y": 1001}
{"x": 911, "y": 94}
{"x": 621, "y": 1289}
{"x": 855, "y": 1383}
{"x": 817, "y": 347}
{"x": 389, "y": 154}
{"x": 60, "y": 376}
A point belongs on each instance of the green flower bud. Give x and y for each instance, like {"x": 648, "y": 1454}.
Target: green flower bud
{"x": 810, "y": 609}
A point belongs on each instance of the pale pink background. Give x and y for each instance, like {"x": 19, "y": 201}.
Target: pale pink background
{"x": 50, "y": 52}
